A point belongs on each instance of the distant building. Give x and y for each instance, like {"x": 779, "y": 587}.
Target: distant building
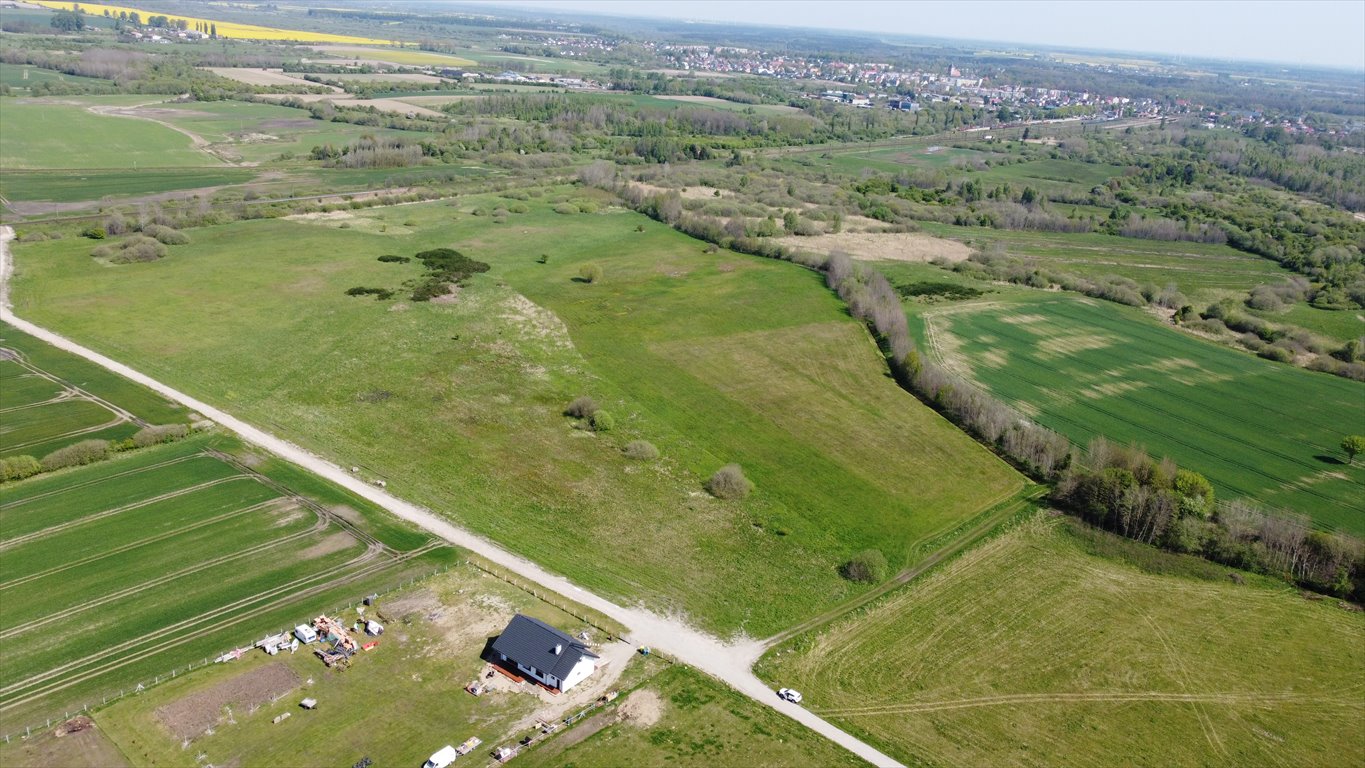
{"x": 544, "y": 653}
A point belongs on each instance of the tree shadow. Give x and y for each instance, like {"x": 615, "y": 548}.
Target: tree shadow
{"x": 580, "y": 280}
{"x": 1325, "y": 459}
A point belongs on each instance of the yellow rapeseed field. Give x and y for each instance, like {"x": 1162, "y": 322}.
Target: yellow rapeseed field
{"x": 225, "y": 28}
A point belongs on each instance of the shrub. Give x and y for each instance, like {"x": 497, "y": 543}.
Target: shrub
{"x": 641, "y": 450}
{"x": 582, "y": 407}
{"x": 133, "y": 249}
{"x": 84, "y": 452}
{"x": 519, "y": 208}
{"x": 587, "y": 206}
{"x": 729, "y": 482}
{"x": 866, "y": 567}
{"x": 166, "y": 235}
{"x": 591, "y": 273}
{"x": 380, "y": 294}
{"x": 18, "y": 468}
{"x": 94, "y": 233}
{"x": 602, "y": 421}
{"x": 159, "y": 433}
{"x": 389, "y": 258}
{"x": 566, "y": 208}
{"x": 543, "y": 259}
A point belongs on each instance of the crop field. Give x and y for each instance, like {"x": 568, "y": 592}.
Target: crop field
{"x": 40, "y": 413}
{"x": 133, "y": 566}
{"x": 45, "y": 134}
{"x": 74, "y": 186}
{"x": 1040, "y": 647}
{"x": 225, "y": 28}
{"x": 705, "y": 355}
{"x": 1257, "y": 429}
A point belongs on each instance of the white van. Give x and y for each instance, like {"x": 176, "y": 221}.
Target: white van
{"x": 442, "y": 758}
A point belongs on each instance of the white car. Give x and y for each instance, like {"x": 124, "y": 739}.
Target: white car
{"x": 789, "y": 694}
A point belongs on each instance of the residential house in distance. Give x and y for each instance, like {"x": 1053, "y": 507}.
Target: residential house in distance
{"x": 544, "y": 653}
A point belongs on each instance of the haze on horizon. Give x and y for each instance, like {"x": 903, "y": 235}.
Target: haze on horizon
{"x": 1328, "y": 33}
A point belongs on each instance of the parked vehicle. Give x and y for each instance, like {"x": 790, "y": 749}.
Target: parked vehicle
{"x": 442, "y": 758}
{"x": 789, "y": 694}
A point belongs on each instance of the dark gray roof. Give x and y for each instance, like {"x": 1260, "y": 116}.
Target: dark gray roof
{"x": 531, "y": 643}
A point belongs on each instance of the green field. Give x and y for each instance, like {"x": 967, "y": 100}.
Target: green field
{"x": 23, "y": 77}
{"x": 76, "y": 185}
{"x": 1203, "y": 272}
{"x": 137, "y": 565}
{"x": 1257, "y": 429}
{"x": 458, "y": 404}
{"x": 259, "y": 132}
{"x": 1054, "y": 644}
{"x": 48, "y": 402}
{"x": 45, "y": 134}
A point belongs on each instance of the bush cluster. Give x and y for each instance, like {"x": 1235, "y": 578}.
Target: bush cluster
{"x": 729, "y": 483}
{"x": 137, "y": 248}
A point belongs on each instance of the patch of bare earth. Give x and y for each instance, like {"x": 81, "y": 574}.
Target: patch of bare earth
{"x": 76, "y": 742}
{"x": 643, "y": 709}
{"x": 334, "y": 543}
{"x": 691, "y": 193}
{"x": 884, "y": 246}
{"x": 191, "y": 716}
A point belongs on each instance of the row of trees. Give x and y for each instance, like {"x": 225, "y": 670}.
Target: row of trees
{"x": 1122, "y": 489}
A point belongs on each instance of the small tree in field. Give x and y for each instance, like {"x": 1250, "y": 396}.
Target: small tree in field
{"x": 866, "y": 567}
{"x": 729, "y": 482}
{"x": 591, "y": 273}
{"x": 582, "y": 407}
{"x": 602, "y": 421}
{"x": 1353, "y": 444}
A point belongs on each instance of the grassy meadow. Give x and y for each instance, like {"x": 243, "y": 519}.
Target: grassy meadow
{"x": 44, "y": 134}
{"x": 1053, "y": 644}
{"x": 715, "y": 358}
{"x": 1259, "y": 430}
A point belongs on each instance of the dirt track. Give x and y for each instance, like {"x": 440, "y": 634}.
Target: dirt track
{"x": 730, "y": 662}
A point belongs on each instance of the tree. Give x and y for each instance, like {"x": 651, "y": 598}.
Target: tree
{"x": 1195, "y": 493}
{"x": 590, "y": 273}
{"x": 1353, "y": 444}
{"x": 213, "y": 30}
{"x": 67, "y": 21}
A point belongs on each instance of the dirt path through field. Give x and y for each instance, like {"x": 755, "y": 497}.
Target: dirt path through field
{"x": 730, "y": 662}
{"x": 199, "y": 142}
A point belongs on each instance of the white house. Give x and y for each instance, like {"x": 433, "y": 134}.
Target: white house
{"x": 544, "y": 653}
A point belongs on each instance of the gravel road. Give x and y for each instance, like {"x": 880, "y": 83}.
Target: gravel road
{"x": 730, "y": 662}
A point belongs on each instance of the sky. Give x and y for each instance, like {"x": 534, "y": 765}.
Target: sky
{"x": 1313, "y": 32}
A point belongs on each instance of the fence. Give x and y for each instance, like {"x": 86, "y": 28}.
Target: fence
{"x": 547, "y": 596}
{"x": 110, "y": 697}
